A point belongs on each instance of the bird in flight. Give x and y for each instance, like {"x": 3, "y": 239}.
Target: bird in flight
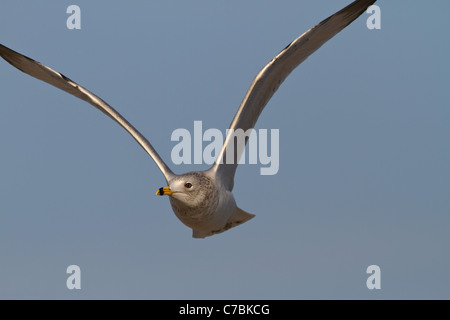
{"x": 203, "y": 200}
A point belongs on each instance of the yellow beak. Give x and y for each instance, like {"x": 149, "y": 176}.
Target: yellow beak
{"x": 166, "y": 191}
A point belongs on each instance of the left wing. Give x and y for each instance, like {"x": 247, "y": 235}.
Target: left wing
{"x": 272, "y": 75}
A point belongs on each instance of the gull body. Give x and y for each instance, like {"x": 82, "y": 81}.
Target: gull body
{"x": 202, "y": 203}
{"x": 203, "y": 200}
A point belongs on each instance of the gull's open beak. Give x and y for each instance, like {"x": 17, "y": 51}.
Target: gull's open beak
{"x": 166, "y": 191}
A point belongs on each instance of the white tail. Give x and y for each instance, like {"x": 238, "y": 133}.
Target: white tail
{"x": 239, "y": 217}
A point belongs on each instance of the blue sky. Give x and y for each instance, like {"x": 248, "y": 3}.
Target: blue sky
{"x": 364, "y": 152}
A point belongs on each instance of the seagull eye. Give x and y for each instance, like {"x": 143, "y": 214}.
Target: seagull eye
{"x": 188, "y": 185}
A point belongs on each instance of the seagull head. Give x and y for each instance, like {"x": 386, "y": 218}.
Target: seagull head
{"x": 193, "y": 190}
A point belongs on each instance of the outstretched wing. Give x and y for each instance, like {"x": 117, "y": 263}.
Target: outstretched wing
{"x": 46, "y": 74}
{"x": 270, "y": 78}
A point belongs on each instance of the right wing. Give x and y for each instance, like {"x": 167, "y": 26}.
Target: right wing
{"x": 46, "y": 74}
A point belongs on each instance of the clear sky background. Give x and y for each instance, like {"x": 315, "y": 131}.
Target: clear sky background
{"x": 364, "y": 152}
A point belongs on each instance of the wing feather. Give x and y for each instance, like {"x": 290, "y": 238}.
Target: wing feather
{"x": 272, "y": 75}
{"x": 46, "y": 74}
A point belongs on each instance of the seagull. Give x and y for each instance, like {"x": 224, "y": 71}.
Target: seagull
{"x": 203, "y": 200}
